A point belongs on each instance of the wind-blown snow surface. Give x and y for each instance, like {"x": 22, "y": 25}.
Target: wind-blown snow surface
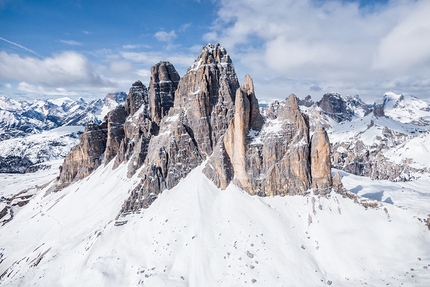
{"x": 198, "y": 235}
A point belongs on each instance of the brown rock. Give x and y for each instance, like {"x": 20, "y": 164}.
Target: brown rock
{"x": 320, "y": 162}
{"x": 278, "y": 163}
{"x": 162, "y": 87}
{"x": 235, "y": 139}
{"x": 207, "y": 93}
{"x": 115, "y": 132}
{"x": 378, "y": 110}
{"x": 255, "y": 119}
{"x": 337, "y": 184}
{"x": 137, "y": 96}
{"x": 85, "y": 157}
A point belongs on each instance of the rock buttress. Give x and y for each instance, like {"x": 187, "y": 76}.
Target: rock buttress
{"x": 162, "y": 87}
{"x": 320, "y": 162}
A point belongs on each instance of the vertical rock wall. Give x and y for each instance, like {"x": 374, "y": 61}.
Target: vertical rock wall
{"x": 170, "y": 130}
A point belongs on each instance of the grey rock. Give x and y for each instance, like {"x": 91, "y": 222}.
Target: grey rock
{"x": 85, "y": 157}
{"x": 115, "y": 132}
{"x": 137, "y": 96}
{"x": 162, "y": 87}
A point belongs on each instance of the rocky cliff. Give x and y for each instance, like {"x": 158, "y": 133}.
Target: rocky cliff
{"x": 206, "y": 115}
{"x": 342, "y": 108}
{"x": 162, "y": 87}
{"x": 270, "y": 157}
{"x": 86, "y": 156}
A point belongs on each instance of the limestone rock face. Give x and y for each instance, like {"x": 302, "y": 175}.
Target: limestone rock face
{"x": 342, "y": 108}
{"x": 378, "y": 109}
{"x": 137, "y": 96}
{"x": 359, "y": 159}
{"x": 286, "y": 152}
{"x": 320, "y": 161}
{"x": 213, "y": 118}
{"x": 307, "y": 102}
{"x": 162, "y": 87}
{"x": 85, "y": 157}
{"x": 207, "y": 92}
{"x": 115, "y": 132}
{"x": 337, "y": 184}
{"x": 187, "y": 135}
{"x": 274, "y": 159}
{"x": 235, "y": 138}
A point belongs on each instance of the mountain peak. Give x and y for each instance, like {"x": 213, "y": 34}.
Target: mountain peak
{"x": 211, "y": 54}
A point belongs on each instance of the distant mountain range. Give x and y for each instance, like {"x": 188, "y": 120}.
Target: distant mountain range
{"x": 33, "y": 132}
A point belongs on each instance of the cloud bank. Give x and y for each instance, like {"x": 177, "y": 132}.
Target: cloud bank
{"x": 52, "y": 75}
{"x": 296, "y": 46}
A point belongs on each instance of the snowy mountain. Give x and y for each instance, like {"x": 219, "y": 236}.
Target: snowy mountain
{"x": 190, "y": 184}
{"x": 22, "y": 118}
{"x": 386, "y": 141}
{"x": 34, "y": 132}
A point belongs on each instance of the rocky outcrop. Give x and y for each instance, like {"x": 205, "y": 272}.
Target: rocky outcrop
{"x": 342, "y": 108}
{"x": 102, "y": 143}
{"x": 203, "y": 108}
{"x": 359, "y": 159}
{"x": 320, "y": 162}
{"x": 246, "y": 117}
{"x": 162, "y": 87}
{"x": 213, "y": 118}
{"x": 274, "y": 159}
{"x": 137, "y": 97}
{"x": 307, "y": 102}
{"x": 378, "y": 109}
{"x": 207, "y": 92}
{"x": 115, "y": 132}
{"x": 85, "y": 157}
{"x": 138, "y": 128}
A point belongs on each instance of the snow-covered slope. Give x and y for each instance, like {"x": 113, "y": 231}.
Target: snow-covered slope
{"x": 388, "y": 143}
{"x": 198, "y": 235}
{"x": 406, "y": 109}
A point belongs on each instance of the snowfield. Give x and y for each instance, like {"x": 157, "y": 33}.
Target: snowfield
{"x": 198, "y": 235}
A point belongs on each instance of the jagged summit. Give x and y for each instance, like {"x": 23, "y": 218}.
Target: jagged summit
{"x": 213, "y": 118}
{"x": 405, "y": 109}
{"x": 211, "y": 54}
{"x": 162, "y": 87}
{"x": 343, "y": 108}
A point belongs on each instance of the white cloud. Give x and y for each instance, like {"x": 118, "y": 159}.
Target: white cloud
{"x": 64, "y": 74}
{"x": 67, "y": 69}
{"x": 39, "y": 90}
{"x": 8, "y": 86}
{"x": 333, "y": 45}
{"x": 184, "y": 27}
{"x": 121, "y": 66}
{"x": 181, "y": 61}
{"x": 135, "y": 46}
{"x": 408, "y": 44}
{"x": 71, "y": 42}
{"x": 163, "y": 36}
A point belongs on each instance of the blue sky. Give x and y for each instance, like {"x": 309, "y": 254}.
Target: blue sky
{"x": 90, "y": 48}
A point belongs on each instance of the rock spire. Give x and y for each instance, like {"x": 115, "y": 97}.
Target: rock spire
{"x": 206, "y": 115}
